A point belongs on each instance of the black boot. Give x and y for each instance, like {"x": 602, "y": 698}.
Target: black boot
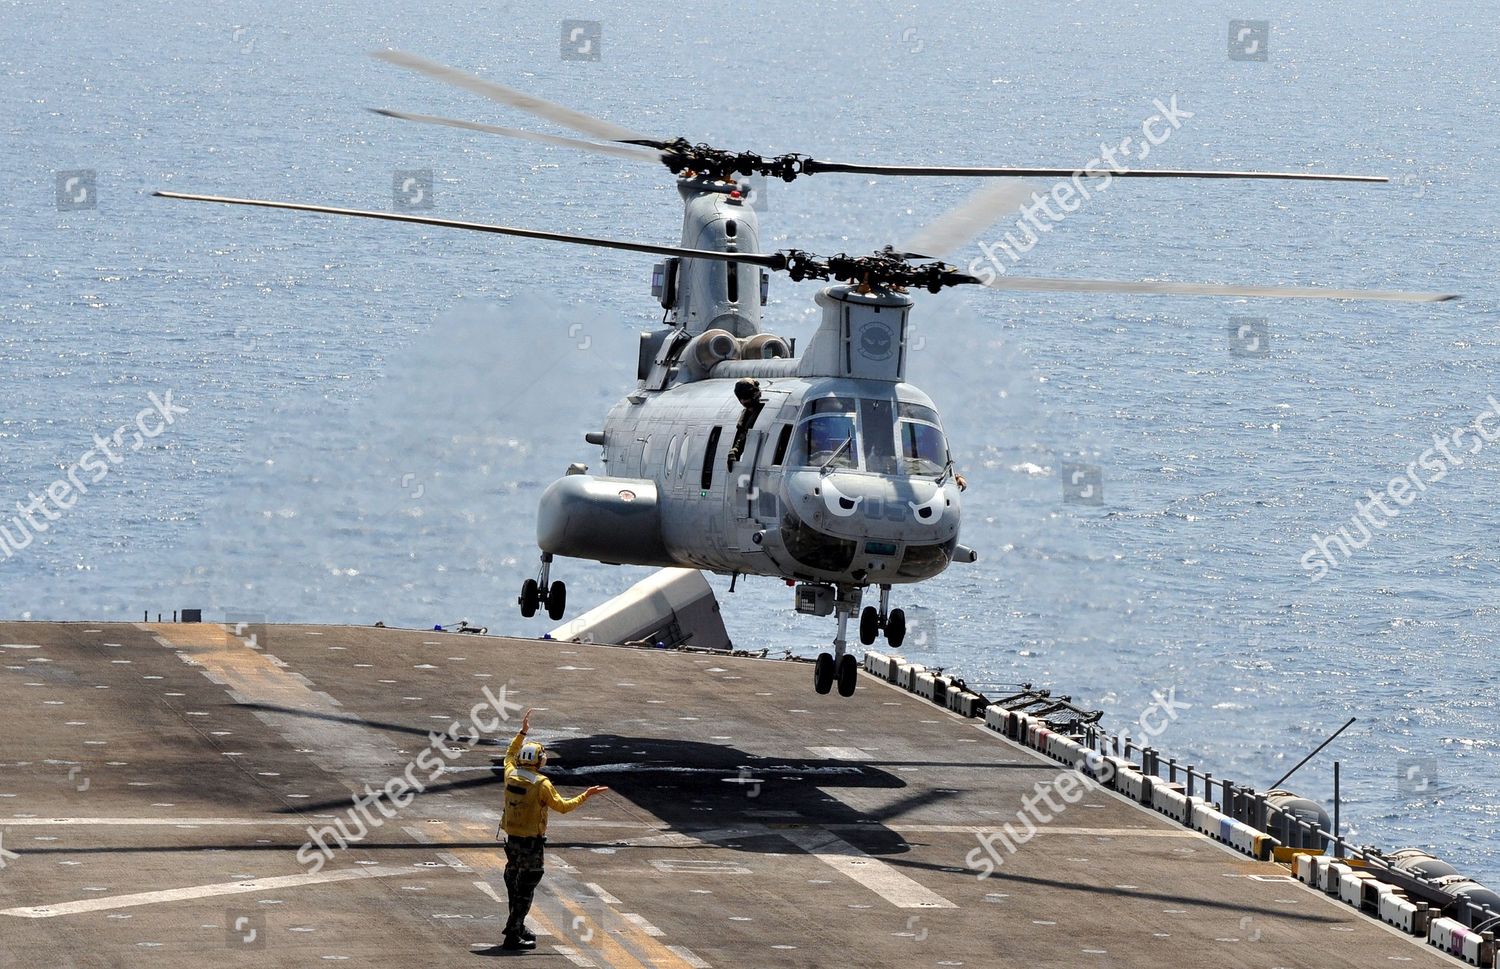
{"x": 527, "y": 934}
{"x": 517, "y": 943}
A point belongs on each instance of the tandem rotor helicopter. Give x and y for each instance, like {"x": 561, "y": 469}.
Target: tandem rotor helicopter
{"x": 825, "y": 469}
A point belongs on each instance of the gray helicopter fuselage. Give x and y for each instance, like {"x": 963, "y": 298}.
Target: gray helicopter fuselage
{"x": 835, "y": 471}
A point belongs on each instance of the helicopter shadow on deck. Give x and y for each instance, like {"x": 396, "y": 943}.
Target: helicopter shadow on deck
{"x": 694, "y": 786}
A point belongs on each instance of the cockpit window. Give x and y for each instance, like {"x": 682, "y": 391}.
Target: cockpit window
{"x": 830, "y": 405}
{"x": 877, "y": 434}
{"x": 917, "y": 411}
{"x": 819, "y": 438}
{"x": 923, "y": 450}
{"x": 876, "y": 418}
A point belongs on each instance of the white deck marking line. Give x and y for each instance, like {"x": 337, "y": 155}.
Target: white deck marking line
{"x": 839, "y": 753}
{"x": 686, "y": 955}
{"x": 453, "y": 861}
{"x": 639, "y": 921}
{"x": 1040, "y": 829}
{"x": 868, "y": 871}
{"x": 572, "y": 955}
{"x": 495, "y": 897}
{"x": 604, "y": 896}
{"x": 200, "y": 891}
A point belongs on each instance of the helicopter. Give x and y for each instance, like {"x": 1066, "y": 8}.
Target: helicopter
{"x": 733, "y": 453}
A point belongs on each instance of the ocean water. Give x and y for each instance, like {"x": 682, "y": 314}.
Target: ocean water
{"x": 372, "y": 410}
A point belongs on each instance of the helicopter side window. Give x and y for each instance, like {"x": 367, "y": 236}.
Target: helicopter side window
{"x": 707, "y": 479}
{"x": 923, "y": 450}
{"x": 878, "y": 418}
{"x": 819, "y": 438}
{"x": 781, "y": 445}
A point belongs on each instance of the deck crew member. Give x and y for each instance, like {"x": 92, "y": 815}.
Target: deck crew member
{"x": 528, "y": 798}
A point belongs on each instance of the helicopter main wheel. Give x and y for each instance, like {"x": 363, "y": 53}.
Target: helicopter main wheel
{"x": 557, "y": 600}
{"x": 848, "y": 675}
{"x": 823, "y": 673}
{"x": 869, "y": 625}
{"x": 530, "y": 596}
{"x": 895, "y": 628}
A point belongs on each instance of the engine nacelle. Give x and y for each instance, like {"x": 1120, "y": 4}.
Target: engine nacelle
{"x": 613, "y": 520}
{"x": 709, "y": 349}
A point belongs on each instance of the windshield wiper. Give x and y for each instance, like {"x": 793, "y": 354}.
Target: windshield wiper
{"x": 835, "y": 455}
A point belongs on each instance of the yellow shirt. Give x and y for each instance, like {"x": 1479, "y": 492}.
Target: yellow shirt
{"x": 528, "y": 795}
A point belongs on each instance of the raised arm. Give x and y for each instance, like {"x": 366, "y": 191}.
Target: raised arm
{"x": 517, "y": 741}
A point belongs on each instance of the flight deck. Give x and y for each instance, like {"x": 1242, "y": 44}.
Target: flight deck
{"x": 160, "y": 785}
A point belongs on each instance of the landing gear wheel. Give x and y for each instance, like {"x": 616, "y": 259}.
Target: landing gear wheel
{"x": 895, "y": 628}
{"x": 530, "y": 596}
{"x": 848, "y": 675}
{"x": 557, "y": 600}
{"x": 823, "y": 673}
{"x": 869, "y": 625}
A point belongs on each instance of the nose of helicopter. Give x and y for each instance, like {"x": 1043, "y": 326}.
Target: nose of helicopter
{"x": 857, "y": 505}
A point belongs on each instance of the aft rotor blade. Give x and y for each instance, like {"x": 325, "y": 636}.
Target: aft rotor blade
{"x": 769, "y": 260}
{"x": 963, "y": 223}
{"x": 812, "y": 166}
{"x": 542, "y": 108}
{"x": 1038, "y": 285}
{"x": 617, "y": 150}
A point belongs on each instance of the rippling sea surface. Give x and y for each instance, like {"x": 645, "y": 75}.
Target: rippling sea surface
{"x": 374, "y": 409}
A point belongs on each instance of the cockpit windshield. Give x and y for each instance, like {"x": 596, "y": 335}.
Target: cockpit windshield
{"x": 878, "y": 435}
{"x": 826, "y": 439}
{"x": 922, "y": 449}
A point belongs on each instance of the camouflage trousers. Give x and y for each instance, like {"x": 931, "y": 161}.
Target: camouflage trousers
{"x": 523, "y": 872}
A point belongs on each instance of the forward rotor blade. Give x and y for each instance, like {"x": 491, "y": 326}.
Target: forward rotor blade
{"x": 1036, "y": 285}
{"x": 963, "y": 223}
{"x": 617, "y": 150}
{"x": 551, "y": 111}
{"x": 812, "y": 166}
{"x": 769, "y": 260}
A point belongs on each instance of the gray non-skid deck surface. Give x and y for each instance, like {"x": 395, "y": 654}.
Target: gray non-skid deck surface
{"x": 156, "y": 781}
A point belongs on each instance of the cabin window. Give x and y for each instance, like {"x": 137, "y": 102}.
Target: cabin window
{"x": 708, "y": 458}
{"x": 781, "y": 443}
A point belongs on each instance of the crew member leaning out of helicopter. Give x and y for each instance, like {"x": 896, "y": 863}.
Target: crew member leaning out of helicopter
{"x": 528, "y": 798}
{"x": 747, "y": 392}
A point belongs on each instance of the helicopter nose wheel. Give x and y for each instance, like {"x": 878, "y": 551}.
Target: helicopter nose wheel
{"x": 540, "y": 592}
{"x": 893, "y": 621}
{"x": 895, "y": 628}
{"x": 839, "y": 667}
{"x": 848, "y": 674}
{"x": 823, "y": 673}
